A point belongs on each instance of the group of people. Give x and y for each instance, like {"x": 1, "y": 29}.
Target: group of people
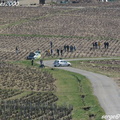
{"x": 66, "y": 48}
{"x": 53, "y": 53}
{"x": 70, "y": 48}
{"x": 98, "y": 45}
{"x": 106, "y": 45}
{"x": 41, "y": 63}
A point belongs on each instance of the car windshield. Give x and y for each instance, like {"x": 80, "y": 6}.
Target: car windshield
{"x": 31, "y": 54}
{"x": 64, "y": 61}
{"x": 56, "y": 61}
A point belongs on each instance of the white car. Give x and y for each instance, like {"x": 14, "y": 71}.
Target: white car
{"x": 59, "y": 63}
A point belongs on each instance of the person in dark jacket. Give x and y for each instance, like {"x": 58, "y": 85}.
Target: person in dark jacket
{"x": 32, "y": 62}
{"x": 58, "y": 52}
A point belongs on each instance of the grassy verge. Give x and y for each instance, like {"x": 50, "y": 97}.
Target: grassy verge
{"x": 26, "y": 63}
{"x": 71, "y": 88}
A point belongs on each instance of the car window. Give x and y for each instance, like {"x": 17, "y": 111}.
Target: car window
{"x": 56, "y": 61}
{"x": 65, "y": 61}
{"x": 31, "y": 55}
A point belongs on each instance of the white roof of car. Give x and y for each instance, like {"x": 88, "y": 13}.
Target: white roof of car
{"x": 60, "y": 60}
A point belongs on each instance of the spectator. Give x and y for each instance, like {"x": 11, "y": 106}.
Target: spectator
{"x": 32, "y": 62}
{"x": 41, "y": 63}
{"x": 104, "y": 44}
{"x": 93, "y": 45}
{"x": 17, "y": 50}
{"x": 74, "y": 48}
{"x": 99, "y": 44}
{"x": 51, "y": 44}
{"x": 65, "y": 47}
{"x": 61, "y": 51}
{"x": 51, "y": 51}
{"x": 107, "y": 45}
{"x": 71, "y": 48}
{"x": 96, "y": 45}
{"x": 58, "y": 52}
{"x": 48, "y": 52}
{"x": 38, "y": 50}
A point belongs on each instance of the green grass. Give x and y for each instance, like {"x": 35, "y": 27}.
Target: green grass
{"x": 26, "y": 63}
{"x": 69, "y": 91}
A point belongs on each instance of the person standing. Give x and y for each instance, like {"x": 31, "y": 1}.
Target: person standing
{"x": 61, "y": 51}
{"x": 51, "y": 44}
{"x": 71, "y": 48}
{"x": 48, "y": 52}
{"x": 93, "y": 45}
{"x": 58, "y": 52}
{"x": 99, "y": 44}
{"x": 96, "y": 44}
{"x": 51, "y": 51}
{"x": 32, "y": 62}
{"x": 107, "y": 45}
{"x": 65, "y": 48}
{"x": 41, "y": 63}
{"x": 74, "y": 48}
{"x": 17, "y": 51}
{"x": 38, "y": 50}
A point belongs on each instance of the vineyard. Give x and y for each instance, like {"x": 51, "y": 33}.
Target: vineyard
{"x": 25, "y": 78}
{"x": 34, "y": 106}
{"x": 27, "y": 94}
{"x": 34, "y": 28}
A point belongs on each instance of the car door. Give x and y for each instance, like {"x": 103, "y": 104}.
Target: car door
{"x": 63, "y": 63}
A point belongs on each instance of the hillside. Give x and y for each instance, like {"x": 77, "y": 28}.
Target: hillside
{"x": 32, "y": 28}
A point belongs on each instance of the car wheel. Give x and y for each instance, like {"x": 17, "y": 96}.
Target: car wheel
{"x": 68, "y": 64}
